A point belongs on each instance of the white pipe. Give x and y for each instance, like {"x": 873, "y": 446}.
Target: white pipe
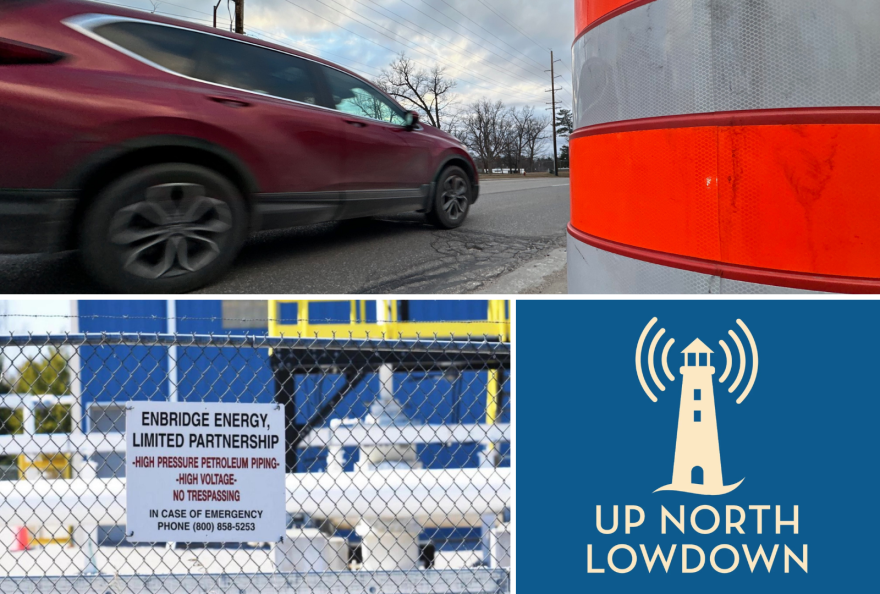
{"x": 171, "y": 316}
{"x": 367, "y": 435}
{"x": 74, "y": 366}
{"x": 62, "y": 443}
{"x": 389, "y": 545}
{"x": 433, "y": 498}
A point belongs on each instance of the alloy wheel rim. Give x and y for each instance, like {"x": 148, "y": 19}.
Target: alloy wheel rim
{"x": 175, "y": 230}
{"x": 455, "y": 200}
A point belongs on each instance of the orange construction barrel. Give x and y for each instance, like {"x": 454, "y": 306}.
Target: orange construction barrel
{"x": 725, "y": 146}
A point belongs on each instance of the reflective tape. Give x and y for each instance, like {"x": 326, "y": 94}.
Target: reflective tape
{"x": 800, "y": 197}
{"x": 596, "y": 271}
{"x": 731, "y": 139}
{"x": 589, "y": 13}
{"x": 673, "y": 57}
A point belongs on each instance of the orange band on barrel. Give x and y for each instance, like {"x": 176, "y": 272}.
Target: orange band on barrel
{"x": 588, "y": 12}
{"x": 795, "y": 197}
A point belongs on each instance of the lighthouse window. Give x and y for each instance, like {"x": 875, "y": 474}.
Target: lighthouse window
{"x": 691, "y": 360}
{"x": 696, "y": 416}
{"x": 703, "y": 359}
{"x": 698, "y": 394}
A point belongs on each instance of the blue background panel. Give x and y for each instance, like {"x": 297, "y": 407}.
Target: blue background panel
{"x": 806, "y": 436}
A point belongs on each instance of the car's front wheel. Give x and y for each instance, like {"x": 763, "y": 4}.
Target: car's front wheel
{"x": 452, "y": 200}
{"x": 163, "y": 229}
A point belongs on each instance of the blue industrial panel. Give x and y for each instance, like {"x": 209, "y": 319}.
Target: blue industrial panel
{"x": 447, "y": 311}
{"x": 216, "y": 374}
{"x": 459, "y": 455}
{"x": 330, "y": 312}
{"x": 505, "y": 451}
{"x": 122, "y": 316}
{"x": 122, "y": 373}
{"x": 288, "y": 314}
{"x": 436, "y": 398}
{"x": 312, "y": 460}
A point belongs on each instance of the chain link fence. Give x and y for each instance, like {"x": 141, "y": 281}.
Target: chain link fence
{"x": 396, "y": 463}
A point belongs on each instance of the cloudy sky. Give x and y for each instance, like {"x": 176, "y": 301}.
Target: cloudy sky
{"x": 493, "y": 48}
{"x": 38, "y": 315}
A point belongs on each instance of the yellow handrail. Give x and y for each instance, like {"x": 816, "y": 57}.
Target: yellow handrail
{"x": 496, "y": 325}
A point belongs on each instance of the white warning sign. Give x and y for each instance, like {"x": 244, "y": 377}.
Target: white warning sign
{"x": 204, "y": 472}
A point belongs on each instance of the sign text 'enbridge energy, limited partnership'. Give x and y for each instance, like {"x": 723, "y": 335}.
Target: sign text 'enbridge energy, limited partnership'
{"x": 204, "y": 472}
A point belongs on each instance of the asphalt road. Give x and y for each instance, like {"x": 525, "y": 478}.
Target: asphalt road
{"x": 514, "y": 222}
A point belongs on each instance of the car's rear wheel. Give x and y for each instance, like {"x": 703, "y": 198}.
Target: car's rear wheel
{"x": 163, "y": 229}
{"x": 452, "y": 200}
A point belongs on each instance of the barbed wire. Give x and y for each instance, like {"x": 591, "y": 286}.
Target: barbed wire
{"x": 286, "y": 321}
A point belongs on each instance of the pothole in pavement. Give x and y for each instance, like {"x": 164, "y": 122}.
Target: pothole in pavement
{"x": 465, "y": 261}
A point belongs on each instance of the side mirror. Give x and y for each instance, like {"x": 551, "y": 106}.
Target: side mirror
{"x": 412, "y": 120}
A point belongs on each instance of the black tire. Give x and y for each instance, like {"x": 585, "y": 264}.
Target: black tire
{"x": 452, "y": 199}
{"x": 166, "y": 228}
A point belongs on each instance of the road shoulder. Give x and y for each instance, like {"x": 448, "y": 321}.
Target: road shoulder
{"x": 543, "y": 275}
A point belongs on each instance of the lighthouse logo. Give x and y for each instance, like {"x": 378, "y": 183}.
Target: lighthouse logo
{"x": 697, "y": 467}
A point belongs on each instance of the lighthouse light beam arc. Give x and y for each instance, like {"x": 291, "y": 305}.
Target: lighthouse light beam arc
{"x": 697, "y": 467}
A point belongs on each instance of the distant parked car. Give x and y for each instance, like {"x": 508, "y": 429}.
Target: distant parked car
{"x": 155, "y": 146}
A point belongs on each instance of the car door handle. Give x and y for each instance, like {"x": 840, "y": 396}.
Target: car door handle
{"x": 229, "y": 101}
{"x": 357, "y": 123}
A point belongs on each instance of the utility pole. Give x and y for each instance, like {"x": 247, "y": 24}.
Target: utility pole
{"x": 552, "y": 91}
{"x": 239, "y": 17}
{"x": 215, "y": 12}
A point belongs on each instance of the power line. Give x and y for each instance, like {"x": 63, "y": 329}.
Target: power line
{"x": 499, "y": 15}
{"x": 422, "y": 31}
{"x": 553, "y": 95}
{"x": 514, "y": 26}
{"x": 417, "y": 46}
{"x": 379, "y": 44}
{"x": 490, "y": 33}
{"x": 453, "y": 30}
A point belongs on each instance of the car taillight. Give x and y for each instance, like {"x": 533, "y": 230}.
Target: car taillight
{"x": 14, "y": 53}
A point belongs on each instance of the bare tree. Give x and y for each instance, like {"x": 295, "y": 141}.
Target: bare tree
{"x": 535, "y": 136}
{"x": 484, "y": 131}
{"x": 524, "y": 134}
{"x": 521, "y": 135}
{"x": 498, "y": 136}
{"x": 427, "y": 92}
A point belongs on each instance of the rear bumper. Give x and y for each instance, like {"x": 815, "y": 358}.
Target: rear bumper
{"x": 35, "y": 221}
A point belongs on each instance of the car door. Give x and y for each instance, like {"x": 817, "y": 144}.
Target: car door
{"x": 262, "y": 104}
{"x": 383, "y": 171}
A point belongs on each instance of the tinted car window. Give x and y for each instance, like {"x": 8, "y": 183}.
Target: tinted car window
{"x": 243, "y": 66}
{"x": 223, "y": 61}
{"x": 354, "y": 96}
{"x": 171, "y": 48}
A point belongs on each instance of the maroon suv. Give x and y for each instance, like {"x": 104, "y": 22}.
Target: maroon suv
{"x": 155, "y": 146}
